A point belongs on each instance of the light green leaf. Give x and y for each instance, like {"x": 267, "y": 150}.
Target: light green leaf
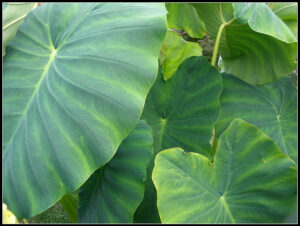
{"x": 272, "y": 108}
{"x": 262, "y": 19}
{"x": 253, "y": 57}
{"x": 174, "y": 51}
{"x": 288, "y": 12}
{"x": 184, "y": 16}
{"x": 182, "y": 113}
{"x": 73, "y": 89}
{"x": 251, "y": 181}
{"x": 113, "y": 192}
{"x": 13, "y": 16}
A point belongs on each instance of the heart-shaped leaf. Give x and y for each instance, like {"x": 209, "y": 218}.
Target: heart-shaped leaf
{"x": 75, "y": 82}
{"x": 252, "y": 56}
{"x": 13, "y": 16}
{"x": 182, "y": 113}
{"x": 113, "y": 192}
{"x": 174, "y": 51}
{"x": 251, "y": 181}
{"x": 184, "y": 16}
{"x": 272, "y": 108}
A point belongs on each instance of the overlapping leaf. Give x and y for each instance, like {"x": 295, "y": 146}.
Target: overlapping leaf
{"x": 252, "y": 56}
{"x": 75, "y": 81}
{"x": 13, "y": 16}
{"x": 272, "y": 108}
{"x": 174, "y": 51}
{"x": 184, "y": 16}
{"x": 113, "y": 192}
{"x": 288, "y": 12}
{"x": 251, "y": 181}
{"x": 262, "y": 19}
{"x": 182, "y": 113}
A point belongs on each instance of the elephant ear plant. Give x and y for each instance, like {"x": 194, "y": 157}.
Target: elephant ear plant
{"x": 109, "y": 103}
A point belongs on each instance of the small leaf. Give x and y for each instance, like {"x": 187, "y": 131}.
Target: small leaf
{"x": 251, "y": 181}
{"x": 184, "y": 16}
{"x": 174, "y": 51}
{"x": 13, "y": 17}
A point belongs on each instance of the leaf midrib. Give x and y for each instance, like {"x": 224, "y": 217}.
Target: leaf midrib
{"x": 45, "y": 72}
{"x": 35, "y": 91}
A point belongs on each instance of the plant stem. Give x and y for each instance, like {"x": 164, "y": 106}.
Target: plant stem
{"x": 216, "y": 48}
{"x": 70, "y": 206}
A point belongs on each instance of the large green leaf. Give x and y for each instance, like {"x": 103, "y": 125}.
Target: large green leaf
{"x": 288, "y": 12}
{"x": 182, "y": 113}
{"x": 184, "y": 16}
{"x": 13, "y": 16}
{"x": 113, "y": 192}
{"x": 272, "y": 108}
{"x": 252, "y": 56}
{"x": 174, "y": 51}
{"x": 73, "y": 89}
{"x": 251, "y": 181}
{"x": 262, "y": 19}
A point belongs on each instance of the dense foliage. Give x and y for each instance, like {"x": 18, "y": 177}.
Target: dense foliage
{"x": 110, "y": 111}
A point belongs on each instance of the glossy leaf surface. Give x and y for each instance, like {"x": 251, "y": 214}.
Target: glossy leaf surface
{"x": 272, "y": 108}
{"x": 113, "y": 192}
{"x": 174, "y": 51}
{"x": 251, "y": 181}
{"x": 73, "y": 89}
{"x": 184, "y": 16}
{"x": 182, "y": 113}
{"x": 13, "y": 16}
{"x": 252, "y": 56}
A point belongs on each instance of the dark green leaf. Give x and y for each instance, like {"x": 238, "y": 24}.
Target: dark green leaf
{"x": 182, "y": 113}
{"x": 272, "y": 108}
{"x": 113, "y": 192}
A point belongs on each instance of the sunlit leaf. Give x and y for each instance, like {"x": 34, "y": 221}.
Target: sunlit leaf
{"x": 251, "y": 181}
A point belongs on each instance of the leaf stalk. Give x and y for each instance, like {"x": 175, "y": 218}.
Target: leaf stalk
{"x": 216, "y": 48}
